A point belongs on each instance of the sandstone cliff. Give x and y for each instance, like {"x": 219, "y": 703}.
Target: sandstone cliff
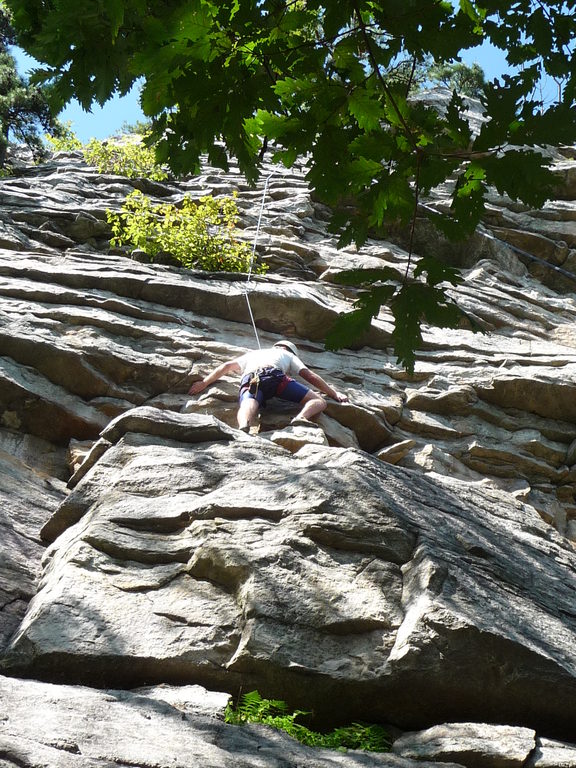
{"x": 410, "y": 562}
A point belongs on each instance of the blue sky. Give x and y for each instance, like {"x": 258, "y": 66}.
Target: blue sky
{"x": 100, "y": 122}
{"x": 103, "y": 122}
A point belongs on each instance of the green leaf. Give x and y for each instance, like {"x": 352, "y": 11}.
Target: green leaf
{"x": 346, "y": 61}
{"x": 296, "y": 19}
{"x": 458, "y": 128}
{"x": 293, "y": 90}
{"x": 217, "y": 156}
{"x": 362, "y": 172}
{"x": 411, "y": 305}
{"x": 468, "y": 203}
{"x": 115, "y": 12}
{"x": 375, "y": 146}
{"x": 392, "y": 198}
{"x": 396, "y": 110}
{"x": 348, "y": 329}
{"x": 366, "y": 109}
{"x": 476, "y": 14}
{"x": 523, "y": 175}
{"x": 437, "y": 272}
{"x": 234, "y": 8}
{"x": 336, "y": 17}
{"x": 358, "y": 277}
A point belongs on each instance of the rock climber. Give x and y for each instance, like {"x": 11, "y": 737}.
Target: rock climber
{"x": 267, "y": 373}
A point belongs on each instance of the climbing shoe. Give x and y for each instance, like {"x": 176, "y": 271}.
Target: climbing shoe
{"x": 299, "y": 422}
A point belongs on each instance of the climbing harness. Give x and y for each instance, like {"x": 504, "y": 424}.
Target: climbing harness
{"x": 269, "y": 381}
{"x": 264, "y": 193}
{"x": 254, "y": 383}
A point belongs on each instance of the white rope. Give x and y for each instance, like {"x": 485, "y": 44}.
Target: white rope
{"x": 253, "y": 257}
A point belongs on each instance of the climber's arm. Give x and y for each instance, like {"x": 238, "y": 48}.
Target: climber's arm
{"x": 318, "y": 382}
{"x": 231, "y": 366}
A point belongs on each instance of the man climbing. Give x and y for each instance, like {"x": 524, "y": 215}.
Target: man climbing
{"x": 267, "y": 373}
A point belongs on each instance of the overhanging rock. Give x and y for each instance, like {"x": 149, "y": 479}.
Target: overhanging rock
{"x": 225, "y": 560}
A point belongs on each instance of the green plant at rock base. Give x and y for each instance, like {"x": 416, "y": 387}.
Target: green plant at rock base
{"x": 198, "y": 233}
{"x": 273, "y": 712}
{"x": 130, "y": 158}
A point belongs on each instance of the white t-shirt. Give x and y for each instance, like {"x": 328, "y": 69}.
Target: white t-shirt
{"x": 276, "y": 357}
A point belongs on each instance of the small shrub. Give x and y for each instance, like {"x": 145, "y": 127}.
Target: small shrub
{"x": 198, "y": 234}
{"x": 254, "y": 709}
{"x": 141, "y": 127}
{"x": 65, "y": 140}
{"x": 129, "y": 158}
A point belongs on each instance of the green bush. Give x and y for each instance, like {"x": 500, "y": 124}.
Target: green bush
{"x": 254, "y": 709}
{"x": 130, "y": 158}
{"x": 65, "y": 140}
{"x": 199, "y": 234}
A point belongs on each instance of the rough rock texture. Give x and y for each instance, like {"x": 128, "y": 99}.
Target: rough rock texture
{"x": 203, "y": 555}
{"x": 480, "y": 745}
{"x": 410, "y": 562}
{"x": 75, "y": 727}
{"x": 28, "y": 496}
{"x": 473, "y": 744}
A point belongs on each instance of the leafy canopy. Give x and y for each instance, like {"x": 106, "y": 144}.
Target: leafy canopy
{"x": 318, "y": 80}
{"x": 24, "y": 108}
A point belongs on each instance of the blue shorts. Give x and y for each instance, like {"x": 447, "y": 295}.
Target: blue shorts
{"x": 285, "y": 388}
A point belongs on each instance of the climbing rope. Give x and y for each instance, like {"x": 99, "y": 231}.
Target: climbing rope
{"x": 247, "y": 284}
{"x": 489, "y": 236}
{"x": 531, "y": 256}
{"x": 264, "y": 193}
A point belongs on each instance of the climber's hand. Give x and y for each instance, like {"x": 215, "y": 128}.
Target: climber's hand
{"x": 197, "y": 387}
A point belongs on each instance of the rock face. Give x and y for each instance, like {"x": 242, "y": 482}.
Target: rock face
{"x": 205, "y": 556}
{"x": 74, "y": 727}
{"x": 409, "y": 563}
{"x": 28, "y": 497}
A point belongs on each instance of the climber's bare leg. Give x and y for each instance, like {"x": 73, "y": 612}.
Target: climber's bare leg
{"x": 312, "y": 404}
{"x": 247, "y": 412}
